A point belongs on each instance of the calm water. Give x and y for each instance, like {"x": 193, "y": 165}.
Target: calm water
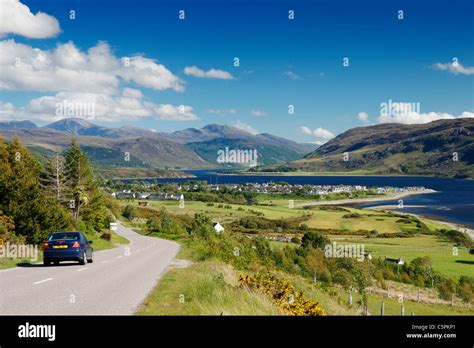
{"x": 454, "y": 201}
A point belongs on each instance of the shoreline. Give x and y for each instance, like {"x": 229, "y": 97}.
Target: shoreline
{"x": 452, "y": 225}
{"x": 353, "y": 201}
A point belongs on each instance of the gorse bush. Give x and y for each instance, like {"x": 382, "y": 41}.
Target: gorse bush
{"x": 282, "y": 294}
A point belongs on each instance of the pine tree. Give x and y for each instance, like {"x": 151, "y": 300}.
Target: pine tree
{"x": 85, "y": 197}
{"x": 52, "y": 178}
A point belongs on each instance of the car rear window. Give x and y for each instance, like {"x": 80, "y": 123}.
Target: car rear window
{"x": 65, "y": 235}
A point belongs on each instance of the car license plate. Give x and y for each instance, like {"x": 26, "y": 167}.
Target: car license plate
{"x": 59, "y": 246}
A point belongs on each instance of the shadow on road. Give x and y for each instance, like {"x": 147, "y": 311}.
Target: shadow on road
{"x": 37, "y": 265}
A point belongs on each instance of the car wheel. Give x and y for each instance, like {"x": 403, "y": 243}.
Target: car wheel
{"x": 84, "y": 258}
{"x": 46, "y": 263}
{"x": 91, "y": 259}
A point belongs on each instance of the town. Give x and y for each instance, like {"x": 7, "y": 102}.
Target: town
{"x": 157, "y": 191}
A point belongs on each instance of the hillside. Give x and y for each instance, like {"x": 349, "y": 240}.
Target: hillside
{"x": 186, "y": 149}
{"x": 397, "y": 149}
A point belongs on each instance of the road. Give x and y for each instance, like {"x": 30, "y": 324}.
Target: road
{"x": 115, "y": 283}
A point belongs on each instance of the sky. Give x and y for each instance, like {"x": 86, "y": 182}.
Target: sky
{"x": 308, "y": 70}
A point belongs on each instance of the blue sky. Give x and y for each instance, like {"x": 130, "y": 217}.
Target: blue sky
{"x": 282, "y": 62}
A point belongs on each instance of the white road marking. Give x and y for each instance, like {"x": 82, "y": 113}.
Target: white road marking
{"x": 42, "y": 281}
{"x": 82, "y": 269}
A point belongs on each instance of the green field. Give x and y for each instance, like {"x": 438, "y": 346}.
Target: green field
{"x": 199, "y": 286}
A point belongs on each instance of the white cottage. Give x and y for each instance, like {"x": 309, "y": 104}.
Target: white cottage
{"x": 218, "y": 227}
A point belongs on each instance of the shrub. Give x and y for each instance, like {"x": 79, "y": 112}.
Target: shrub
{"x": 282, "y": 294}
{"x": 129, "y": 212}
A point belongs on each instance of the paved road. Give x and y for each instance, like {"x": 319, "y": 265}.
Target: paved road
{"x": 115, "y": 283}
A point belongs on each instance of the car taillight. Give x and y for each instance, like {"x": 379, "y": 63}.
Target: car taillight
{"x": 46, "y": 245}
{"x": 76, "y": 244}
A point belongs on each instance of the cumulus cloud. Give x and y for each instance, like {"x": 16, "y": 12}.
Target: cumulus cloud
{"x": 245, "y": 127}
{"x": 320, "y": 133}
{"x": 96, "y": 106}
{"x": 455, "y": 68}
{"x": 412, "y": 117}
{"x": 210, "y": 74}
{"x": 258, "y": 113}
{"x": 222, "y": 112}
{"x": 172, "y": 112}
{"x": 16, "y": 18}
{"x": 363, "y": 117}
{"x": 66, "y": 68}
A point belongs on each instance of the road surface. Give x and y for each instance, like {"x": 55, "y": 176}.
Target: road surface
{"x": 115, "y": 283}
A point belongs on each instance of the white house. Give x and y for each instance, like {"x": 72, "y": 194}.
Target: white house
{"x": 218, "y": 227}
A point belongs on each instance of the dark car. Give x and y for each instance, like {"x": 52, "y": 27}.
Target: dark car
{"x": 67, "y": 246}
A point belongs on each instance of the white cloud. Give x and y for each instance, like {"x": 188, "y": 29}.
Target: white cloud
{"x": 210, "y": 74}
{"x": 172, "y": 112}
{"x": 320, "y": 133}
{"x": 132, "y": 93}
{"x": 363, "y": 116}
{"x": 411, "y": 117}
{"x": 95, "y": 106}
{"x": 291, "y": 75}
{"x": 454, "y": 68}
{"x": 306, "y": 130}
{"x": 258, "y": 113}
{"x": 146, "y": 72}
{"x": 245, "y": 127}
{"x": 66, "y": 68}
{"x": 222, "y": 112}
{"x": 16, "y": 18}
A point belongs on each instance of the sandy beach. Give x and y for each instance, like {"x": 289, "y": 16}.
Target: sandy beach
{"x": 353, "y": 201}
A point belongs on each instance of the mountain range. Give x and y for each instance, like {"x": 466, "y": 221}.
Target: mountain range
{"x": 439, "y": 148}
{"x": 190, "y": 148}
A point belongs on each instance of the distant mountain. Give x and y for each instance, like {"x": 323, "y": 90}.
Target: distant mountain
{"x": 79, "y": 126}
{"x": 189, "y": 148}
{"x": 160, "y": 152}
{"x": 209, "y": 132}
{"x": 442, "y": 148}
{"x": 207, "y": 141}
{"x": 76, "y": 126}
{"x": 17, "y": 125}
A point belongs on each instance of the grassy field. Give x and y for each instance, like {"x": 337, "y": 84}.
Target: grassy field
{"x": 211, "y": 288}
{"x": 204, "y": 288}
{"x": 206, "y": 293}
{"x": 369, "y": 220}
{"x": 97, "y": 243}
{"x": 439, "y": 250}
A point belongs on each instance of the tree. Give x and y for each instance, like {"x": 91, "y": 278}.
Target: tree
{"x": 201, "y": 226}
{"x": 129, "y": 212}
{"x": 52, "y": 177}
{"x": 424, "y": 267}
{"x": 21, "y": 197}
{"x": 314, "y": 239}
{"x": 85, "y": 197}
